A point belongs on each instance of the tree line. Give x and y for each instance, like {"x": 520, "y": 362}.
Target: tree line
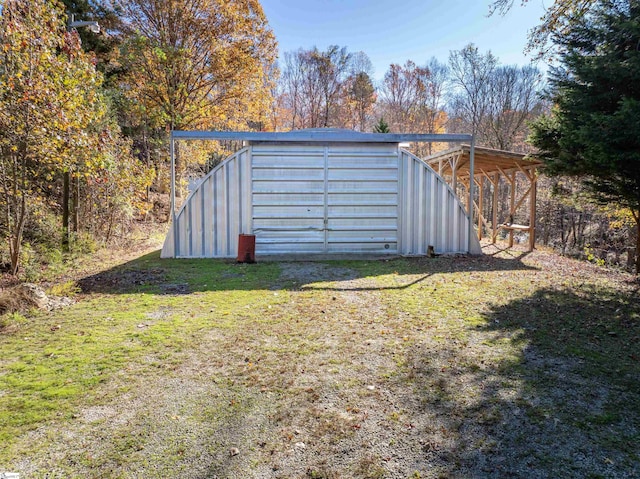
{"x": 85, "y": 116}
{"x": 471, "y": 93}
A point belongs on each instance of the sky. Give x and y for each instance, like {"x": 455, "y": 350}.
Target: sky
{"x": 394, "y": 31}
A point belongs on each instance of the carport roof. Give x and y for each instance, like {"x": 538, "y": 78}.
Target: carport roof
{"x": 486, "y": 161}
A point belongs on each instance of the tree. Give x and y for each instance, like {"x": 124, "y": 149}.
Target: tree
{"x": 513, "y": 100}
{"x": 432, "y": 102}
{"x": 49, "y": 100}
{"x": 471, "y": 78}
{"x": 594, "y": 128}
{"x": 361, "y": 98}
{"x": 331, "y": 68}
{"x": 102, "y": 45}
{"x": 400, "y": 91}
{"x": 556, "y": 21}
{"x": 492, "y": 101}
{"x": 197, "y": 64}
{"x": 381, "y": 127}
{"x": 325, "y": 88}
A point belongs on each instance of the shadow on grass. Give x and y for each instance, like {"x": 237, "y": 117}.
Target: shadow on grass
{"x": 550, "y": 389}
{"x": 150, "y": 274}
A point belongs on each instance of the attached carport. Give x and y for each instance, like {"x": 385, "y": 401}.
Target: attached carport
{"x": 488, "y": 168}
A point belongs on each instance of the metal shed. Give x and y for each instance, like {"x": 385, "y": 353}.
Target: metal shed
{"x": 320, "y": 191}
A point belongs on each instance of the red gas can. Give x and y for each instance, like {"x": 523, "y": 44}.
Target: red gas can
{"x": 246, "y": 248}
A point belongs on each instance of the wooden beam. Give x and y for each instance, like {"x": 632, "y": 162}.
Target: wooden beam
{"x": 522, "y": 198}
{"x": 506, "y": 176}
{"x": 484, "y": 220}
{"x": 525, "y": 173}
{"x": 494, "y": 221}
{"x": 512, "y": 202}
{"x": 453, "y": 163}
{"x": 532, "y": 211}
{"x": 480, "y": 205}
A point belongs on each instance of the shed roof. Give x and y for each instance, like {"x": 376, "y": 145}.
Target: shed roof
{"x": 486, "y": 160}
{"x": 318, "y": 135}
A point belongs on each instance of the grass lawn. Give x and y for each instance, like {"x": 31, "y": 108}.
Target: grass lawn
{"x": 506, "y": 365}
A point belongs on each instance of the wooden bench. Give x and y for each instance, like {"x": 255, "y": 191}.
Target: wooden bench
{"x": 514, "y": 227}
{"x": 511, "y": 227}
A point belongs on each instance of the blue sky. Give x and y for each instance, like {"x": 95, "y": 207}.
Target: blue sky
{"x": 393, "y": 31}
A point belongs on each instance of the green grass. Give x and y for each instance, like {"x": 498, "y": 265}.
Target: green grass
{"x": 55, "y": 362}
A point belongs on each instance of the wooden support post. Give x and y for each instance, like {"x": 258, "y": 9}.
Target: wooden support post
{"x": 532, "y": 210}
{"x": 480, "y": 206}
{"x": 494, "y": 212}
{"x": 512, "y": 205}
{"x": 454, "y": 174}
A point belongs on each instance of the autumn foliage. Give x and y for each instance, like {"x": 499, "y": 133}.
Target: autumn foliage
{"x": 54, "y": 118}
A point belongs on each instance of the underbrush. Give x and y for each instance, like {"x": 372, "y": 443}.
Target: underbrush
{"x": 43, "y": 260}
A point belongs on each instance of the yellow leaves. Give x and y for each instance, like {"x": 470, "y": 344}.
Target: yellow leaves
{"x": 210, "y": 65}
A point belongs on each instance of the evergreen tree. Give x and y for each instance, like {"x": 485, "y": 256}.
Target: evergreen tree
{"x": 381, "y": 127}
{"x": 594, "y": 129}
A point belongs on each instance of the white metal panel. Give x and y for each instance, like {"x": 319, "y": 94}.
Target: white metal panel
{"x": 214, "y": 214}
{"x": 288, "y": 198}
{"x": 431, "y": 213}
{"x": 362, "y": 198}
{"x": 325, "y": 198}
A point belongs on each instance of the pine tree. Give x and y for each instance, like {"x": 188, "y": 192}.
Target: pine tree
{"x": 381, "y": 127}
{"x": 594, "y": 128}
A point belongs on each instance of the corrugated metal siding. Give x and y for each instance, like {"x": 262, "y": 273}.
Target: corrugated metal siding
{"x": 288, "y": 198}
{"x": 216, "y": 212}
{"x": 431, "y": 214}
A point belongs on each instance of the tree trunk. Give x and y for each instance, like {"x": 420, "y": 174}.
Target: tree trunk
{"x": 15, "y": 239}
{"x": 637, "y": 218}
{"x": 76, "y": 204}
{"x": 65, "y": 210}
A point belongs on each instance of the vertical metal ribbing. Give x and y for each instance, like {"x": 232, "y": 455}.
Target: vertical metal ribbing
{"x": 249, "y": 189}
{"x": 189, "y": 211}
{"x": 422, "y": 207}
{"x": 471, "y": 185}
{"x": 239, "y": 192}
{"x": 433, "y": 231}
{"x": 227, "y": 210}
{"x": 215, "y": 221}
{"x": 203, "y": 239}
{"x": 326, "y": 199}
{"x": 408, "y": 204}
{"x": 399, "y": 202}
